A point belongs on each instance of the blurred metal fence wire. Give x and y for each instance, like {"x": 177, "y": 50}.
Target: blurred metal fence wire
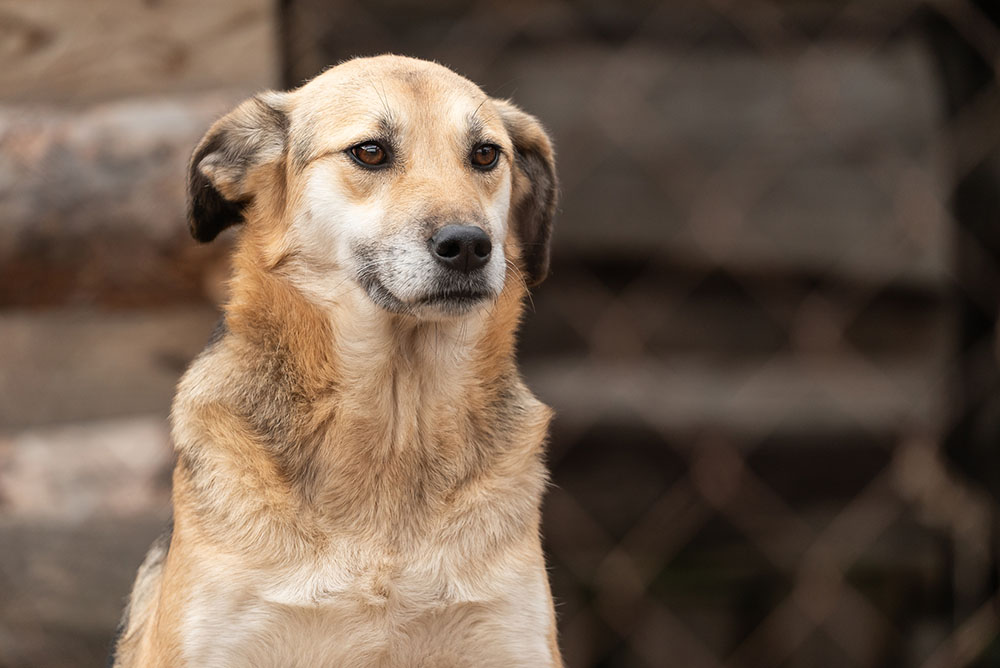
{"x": 770, "y": 333}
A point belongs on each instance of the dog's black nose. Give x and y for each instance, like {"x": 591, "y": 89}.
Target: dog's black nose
{"x": 462, "y": 247}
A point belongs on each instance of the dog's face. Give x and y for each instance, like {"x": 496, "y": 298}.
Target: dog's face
{"x": 394, "y": 175}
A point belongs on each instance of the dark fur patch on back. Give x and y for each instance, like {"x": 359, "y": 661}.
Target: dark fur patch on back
{"x": 160, "y": 546}
{"x": 218, "y": 332}
{"x": 119, "y": 632}
{"x": 162, "y": 543}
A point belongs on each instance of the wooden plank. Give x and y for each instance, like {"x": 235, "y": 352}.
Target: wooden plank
{"x": 92, "y": 202}
{"x": 318, "y": 33}
{"x": 748, "y": 401}
{"x": 78, "y": 473}
{"x": 79, "y": 507}
{"x": 72, "y": 365}
{"x": 758, "y": 149}
{"x": 65, "y": 588}
{"x": 79, "y": 52}
{"x": 823, "y": 164}
{"x": 603, "y": 307}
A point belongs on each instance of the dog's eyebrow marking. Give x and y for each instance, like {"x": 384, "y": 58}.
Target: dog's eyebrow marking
{"x": 386, "y": 120}
{"x": 474, "y": 116}
{"x": 386, "y": 123}
{"x": 477, "y": 132}
{"x": 477, "y": 128}
{"x": 384, "y": 127}
{"x": 382, "y": 97}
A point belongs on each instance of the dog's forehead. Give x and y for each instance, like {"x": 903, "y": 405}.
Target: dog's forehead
{"x": 422, "y": 76}
{"x": 363, "y": 94}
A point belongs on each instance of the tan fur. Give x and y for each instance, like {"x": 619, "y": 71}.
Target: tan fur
{"x": 357, "y": 486}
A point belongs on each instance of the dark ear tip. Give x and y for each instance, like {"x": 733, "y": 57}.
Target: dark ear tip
{"x": 202, "y": 233}
{"x": 537, "y": 267}
{"x": 211, "y": 214}
{"x": 539, "y": 278}
{"x": 208, "y": 211}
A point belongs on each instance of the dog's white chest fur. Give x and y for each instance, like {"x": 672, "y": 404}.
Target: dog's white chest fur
{"x": 355, "y": 609}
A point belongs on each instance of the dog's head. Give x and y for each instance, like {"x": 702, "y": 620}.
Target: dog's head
{"x": 390, "y": 175}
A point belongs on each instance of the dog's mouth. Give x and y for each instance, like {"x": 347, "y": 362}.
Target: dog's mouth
{"x": 450, "y": 299}
{"x": 468, "y": 296}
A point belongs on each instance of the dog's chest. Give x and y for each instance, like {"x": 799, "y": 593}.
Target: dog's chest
{"x": 361, "y": 611}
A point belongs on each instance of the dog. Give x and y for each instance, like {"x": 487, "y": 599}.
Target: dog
{"x": 360, "y": 466}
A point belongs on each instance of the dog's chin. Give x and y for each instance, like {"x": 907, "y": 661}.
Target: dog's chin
{"x": 452, "y": 303}
{"x": 440, "y": 303}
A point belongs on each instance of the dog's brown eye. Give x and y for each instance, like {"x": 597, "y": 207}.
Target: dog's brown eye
{"x": 369, "y": 154}
{"x": 485, "y": 156}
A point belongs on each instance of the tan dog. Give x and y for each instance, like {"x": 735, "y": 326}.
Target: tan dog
{"x": 360, "y": 466}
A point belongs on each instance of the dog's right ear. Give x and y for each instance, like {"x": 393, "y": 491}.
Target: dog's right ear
{"x": 220, "y": 175}
{"x": 536, "y": 189}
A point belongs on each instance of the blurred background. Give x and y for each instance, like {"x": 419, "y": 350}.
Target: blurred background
{"x": 769, "y": 334}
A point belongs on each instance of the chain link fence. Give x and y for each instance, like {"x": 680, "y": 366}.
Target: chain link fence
{"x": 770, "y": 330}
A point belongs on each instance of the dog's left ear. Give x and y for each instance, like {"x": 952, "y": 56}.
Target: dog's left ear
{"x": 221, "y": 181}
{"x": 535, "y": 189}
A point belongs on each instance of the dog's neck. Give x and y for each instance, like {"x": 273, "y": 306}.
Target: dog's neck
{"x": 352, "y": 397}
{"x": 364, "y": 360}
{"x": 369, "y": 419}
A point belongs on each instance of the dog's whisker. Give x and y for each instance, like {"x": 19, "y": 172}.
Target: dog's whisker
{"x": 520, "y": 276}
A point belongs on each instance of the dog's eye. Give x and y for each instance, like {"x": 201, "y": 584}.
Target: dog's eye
{"x": 485, "y": 156}
{"x": 369, "y": 154}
